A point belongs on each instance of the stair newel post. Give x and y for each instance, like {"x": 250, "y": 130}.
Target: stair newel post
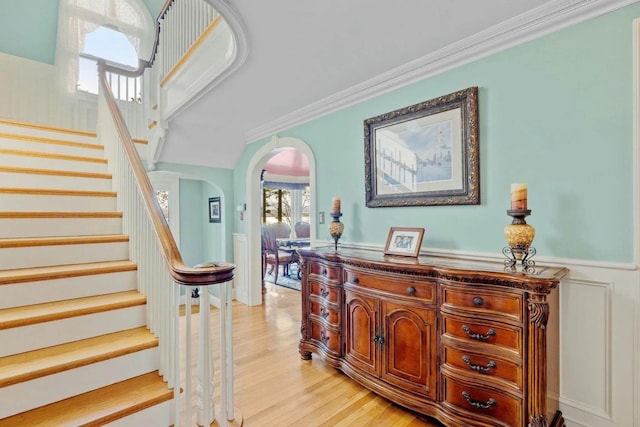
{"x": 205, "y": 363}
{"x": 176, "y": 360}
{"x": 226, "y": 353}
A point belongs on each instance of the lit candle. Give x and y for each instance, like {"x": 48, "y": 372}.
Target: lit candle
{"x": 335, "y": 203}
{"x": 518, "y": 196}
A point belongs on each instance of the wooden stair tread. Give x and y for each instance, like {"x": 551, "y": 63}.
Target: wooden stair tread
{"x": 47, "y": 361}
{"x": 48, "y": 128}
{"x": 22, "y": 275}
{"x": 16, "y": 215}
{"x": 98, "y": 407}
{"x": 56, "y": 172}
{"x": 55, "y": 192}
{"x": 59, "y": 241}
{"x": 45, "y": 140}
{"x": 42, "y": 154}
{"x": 50, "y": 311}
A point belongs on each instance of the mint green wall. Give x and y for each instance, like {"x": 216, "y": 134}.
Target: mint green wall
{"x": 555, "y": 113}
{"x": 191, "y": 219}
{"x": 213, "y": 182}
{"x": 28, "y": 27}
{"x": 212, "y": 231}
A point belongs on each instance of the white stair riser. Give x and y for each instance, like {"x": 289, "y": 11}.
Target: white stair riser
{"x": 42, "y": 291}
{"x": 56, "y": 227}
{"x": 46, "y": 256}
{"x": 52, "y": 163}
{"x": 45, "y": 181}
{"x": 158, "y": 415}
{"x": 38, "y": 392}
{"x": 43, "y": 133}
{"x": 46, "y": 334}
{"x": 46, "y": 203}
{"x": 43, "y": 147}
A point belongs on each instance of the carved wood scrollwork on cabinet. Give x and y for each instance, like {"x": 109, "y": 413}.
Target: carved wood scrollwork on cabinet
{"x": 464, "y": 342}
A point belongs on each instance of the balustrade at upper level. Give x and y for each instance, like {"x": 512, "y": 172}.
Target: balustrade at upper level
{"x": 198, "y": 44}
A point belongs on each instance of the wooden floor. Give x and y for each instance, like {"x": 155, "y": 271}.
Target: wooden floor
{"x": 274, "y": 387}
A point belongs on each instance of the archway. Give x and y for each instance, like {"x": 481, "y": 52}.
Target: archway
{"x": 253, "y": 192}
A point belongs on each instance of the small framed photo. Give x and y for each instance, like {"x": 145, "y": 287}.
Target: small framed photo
{"x": 404, "y": 241}
{"x": 214, "y": 210}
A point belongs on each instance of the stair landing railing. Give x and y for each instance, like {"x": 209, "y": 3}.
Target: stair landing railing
{"x": 162, "y": 273}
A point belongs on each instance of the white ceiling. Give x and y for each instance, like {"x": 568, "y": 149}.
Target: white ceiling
{"x": 306, "y": 52}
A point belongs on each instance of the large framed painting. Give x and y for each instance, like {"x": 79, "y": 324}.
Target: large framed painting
{"x": 424, "y": 154}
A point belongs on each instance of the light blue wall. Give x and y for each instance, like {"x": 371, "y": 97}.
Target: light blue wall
{"x": 28, "y": 28}
{"x": 555, "y": 113}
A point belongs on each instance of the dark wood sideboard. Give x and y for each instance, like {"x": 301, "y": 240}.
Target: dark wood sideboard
{"x": 464, "y": 342}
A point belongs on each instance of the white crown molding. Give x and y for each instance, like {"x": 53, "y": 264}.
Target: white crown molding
{"x": 550, "y": 17}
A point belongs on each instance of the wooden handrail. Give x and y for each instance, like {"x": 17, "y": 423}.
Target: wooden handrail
{"x": 209, "y": 273}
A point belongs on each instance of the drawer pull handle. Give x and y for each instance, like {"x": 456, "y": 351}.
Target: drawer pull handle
{"x": 491, "y": 402}
{"x": 411, "y": 290}
{"x": 324, "y": 293}
{"x": 477, "y": 336}
{"x": 324, "y": 313}
{"x": 324, "y": 337}
{"x": 324, "y": 272}
{"x": 484, "y": 369}
{"x": 478, "y": 301}
{"x": 356, "y": 280}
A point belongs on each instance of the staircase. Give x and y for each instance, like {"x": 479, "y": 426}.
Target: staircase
{"x": 74, "y": 347}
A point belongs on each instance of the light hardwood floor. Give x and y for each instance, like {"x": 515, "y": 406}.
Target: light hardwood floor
{"x": 274, "y": 387}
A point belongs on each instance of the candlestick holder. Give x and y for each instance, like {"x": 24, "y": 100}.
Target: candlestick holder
{"x": 519, "y": 236}
{"x": 336, "y": 228}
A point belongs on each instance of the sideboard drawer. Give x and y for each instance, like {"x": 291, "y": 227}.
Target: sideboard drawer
{"x": 468, "y": 363}
{"x": 501, "y": 409}
{"x": 325, "y": 271}
{"x": 324, "y": 292}
{"x": 400, "y": 286}
{"x": 326, "y": 336}
{"x": 473, "y": 299}
{"x": 502, "y": 335}
{"x": 328, "y": 314}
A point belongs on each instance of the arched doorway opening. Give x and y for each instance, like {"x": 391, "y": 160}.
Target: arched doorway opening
{"x": 254, "y": 210}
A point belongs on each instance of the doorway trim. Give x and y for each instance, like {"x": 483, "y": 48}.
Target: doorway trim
{"x": 254, "y": 200}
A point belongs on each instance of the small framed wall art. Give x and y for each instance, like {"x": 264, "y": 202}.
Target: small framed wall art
{"x": 214, "y": 210}
{"x": 404, "y": 241}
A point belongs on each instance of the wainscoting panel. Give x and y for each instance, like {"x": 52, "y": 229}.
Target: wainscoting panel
{"x": 585, "y": 314}
{"x": 597, "y": 334}
{"x": 241, "y": 273}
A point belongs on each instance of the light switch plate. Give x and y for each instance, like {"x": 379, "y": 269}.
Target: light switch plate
{"x": 320, "y": 217}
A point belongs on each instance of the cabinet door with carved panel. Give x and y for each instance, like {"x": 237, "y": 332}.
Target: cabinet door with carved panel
{"x": 362, "y": 334}
{"x": 408, "y": 341}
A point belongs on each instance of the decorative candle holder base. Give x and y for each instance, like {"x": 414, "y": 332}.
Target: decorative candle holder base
{"x": 335, "y": 229}
{"x": 519, "y": 236}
